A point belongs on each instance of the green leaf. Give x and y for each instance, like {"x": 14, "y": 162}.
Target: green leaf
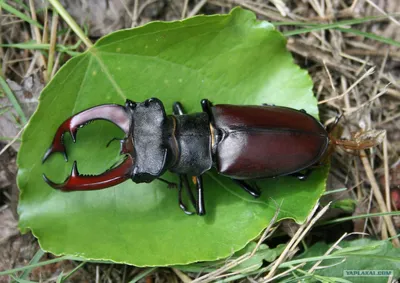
{"x": 232, "y": 59}
{"x": 362, "y": 254}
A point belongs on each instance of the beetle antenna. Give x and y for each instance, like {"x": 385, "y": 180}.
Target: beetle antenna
{"x": 333, "y": 126}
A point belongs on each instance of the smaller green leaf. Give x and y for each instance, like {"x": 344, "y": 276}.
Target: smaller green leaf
{"x": 253, "y": 263}
{"x": 256, "y": 261}
{"x": 362, "y": 254}
{"x": 347, "y": 205}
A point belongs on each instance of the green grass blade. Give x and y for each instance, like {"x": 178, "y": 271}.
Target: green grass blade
{"x": 143, "y": 274}
{"x": 317, "y": 27}
{"x": 371, "y": 36}
{"x": 335, "y": 191}
{"x": 69, "y": 274}
{"x": 339, "y": 26}
{"x": 9, "y": 139}
{"x": 13, "y": 100}
{"x": 5, "y": 110}
{"x": 339, "y": 23}
{"x": 60, "y": 277}
{"x": 19, "y": 280}
{"x": 71, "y": 22}
{"x": 34, "y": 260}
{"x": 297, "y": 279}
{"x": 343, "y": 219}
{"x": 18, "y": 14}
{"x": 31, "y": 45}
{"x": 22, "y": 4}
{"x": 42, "y": 263}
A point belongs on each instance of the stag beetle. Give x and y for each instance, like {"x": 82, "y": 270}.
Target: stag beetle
{"x": 241, "y": 142}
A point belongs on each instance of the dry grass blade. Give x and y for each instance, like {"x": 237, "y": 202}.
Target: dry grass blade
{"x": 334, "y": 246}
{"x": 281, "y": 6}
{"x": 71, "y": 22}
{"x": 182, "y": 276}
{"x": 284, "y": 273}
{"x": 53, "y": 41}
{"x": 212, "y": 275}
{"x": 135, "y": 13}
{"x": 350, "y": 111}
{"x": 383, "y": 12}
{"x": 266, "y": 231}
{"x": 12, "y": 141}
{"x": 267, "y": 13}
{"x": 38, "y": 37}
{"x": 379, "y": 198}
{"x": 366, "y": 74}
{"x": 301, "y": 232}
{"x": 184, "y": 10}
{"x": 386, "y": 175}
{"x": 217, "y": 273}
{"x": 197, "y": 8}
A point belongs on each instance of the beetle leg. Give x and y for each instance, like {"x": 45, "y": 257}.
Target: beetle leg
{"x": 201, "y": 210}
{"x": 177, "y": 108}
{"x": 116, "y": 114}
{"x": 245, "y": 186}
{"x": 302, "y": 176}
{"x": 206, "y": 106}
{"x": 181, "y": 204}
{"x": 189, "y": 191}
{"x": 171, "y": 185}
{"x": 77, "y": 182}
{"x": 333, "y": 126}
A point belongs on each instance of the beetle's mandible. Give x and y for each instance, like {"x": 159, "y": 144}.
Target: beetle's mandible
{"x": 241, "y": 142}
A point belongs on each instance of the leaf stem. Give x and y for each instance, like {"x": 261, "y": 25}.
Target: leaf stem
{"x": 71, "y": 22}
